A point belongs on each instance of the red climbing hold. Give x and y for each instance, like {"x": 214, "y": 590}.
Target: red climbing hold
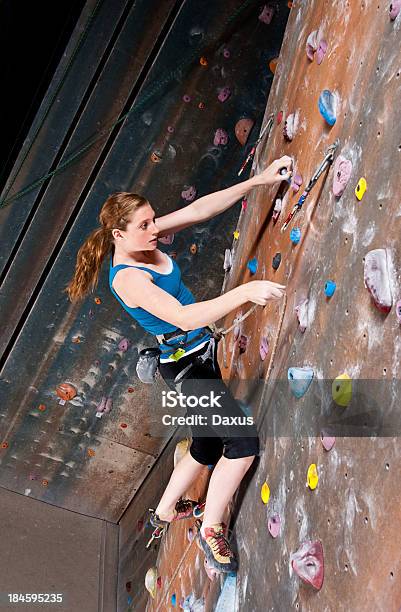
{"x": 279, "y": 117}
{"x": 377, "y": 279}
{"x": 308, "y": 563}
{"x": 243, "y": 128}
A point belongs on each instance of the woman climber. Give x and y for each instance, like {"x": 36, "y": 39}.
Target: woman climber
{"x": 147, "y": 283}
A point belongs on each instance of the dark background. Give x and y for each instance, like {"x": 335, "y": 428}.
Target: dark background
{"x": 33, "y": 36}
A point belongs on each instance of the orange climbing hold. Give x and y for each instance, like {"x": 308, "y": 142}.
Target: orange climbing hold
{"x": 66, "y": 392}
{"x": 203, "y": 61}
{"x": 193, "y": 248}
{"x": 273, "y": 64}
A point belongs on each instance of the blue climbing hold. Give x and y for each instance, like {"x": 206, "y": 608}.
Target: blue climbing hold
{"x": 129, "y": 600}
{"x": 327, "y": 106}
{"x": 300, "y": 379}
{"x": 329, "y": 288}
{"x": 295, "y": 235}
{"x": 252, "y": 265}
{"x": 276, "y": 261}
{"x": 173, "y": 599}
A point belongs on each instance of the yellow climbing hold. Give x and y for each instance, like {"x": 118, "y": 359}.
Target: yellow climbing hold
{"x": 236, "y": 234}
{"x": 313, "y": 478}
{"x": 265, "y": 493}
{"x": 151, "y": 581}
{"x": 180, "y": 450}
{"x": 361, "y": 188}
{"x": 341, "y": 390}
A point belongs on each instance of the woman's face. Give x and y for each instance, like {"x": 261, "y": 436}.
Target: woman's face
{"x": 141, "y": 233}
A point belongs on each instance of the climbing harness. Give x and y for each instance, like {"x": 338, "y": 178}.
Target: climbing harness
{"x": 328, "y": 160}
{"x": 252, "y": 152}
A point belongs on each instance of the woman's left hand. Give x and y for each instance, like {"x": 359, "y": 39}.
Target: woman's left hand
{"x": 271, "y": 174}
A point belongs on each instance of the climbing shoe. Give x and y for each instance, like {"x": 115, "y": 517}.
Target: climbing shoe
{"x": 217, "y": 549}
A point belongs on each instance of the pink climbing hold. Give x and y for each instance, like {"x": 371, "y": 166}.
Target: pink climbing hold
{"x": 327, "y": 441}
{"x": 274, "y": 525}
{"x": 189, "y": 194}
{"x": 226, "y": 53}
{"x": 169, "y": 239}
{"x": 342, "y": 173}
{"x": 124, "y": 345}
{"x": 266, "y": 15}
{"x": 377, "y": 279}
{"x": 398, "y": 311}
{"x": 224, "y": 94}
{"x": 109, "y": 405}
{"x": 242, "y": 343}
{"x": 308, "y": 563}
{"x": 321, "y": 51}
{"x": 220, "y": 137}
{"x": 395, "y": 8}
{"x": 312, "y": 45}
{"x": 263, "y": 347}
{"x": 296, "y": 183}
{"x": 302, "y": 314}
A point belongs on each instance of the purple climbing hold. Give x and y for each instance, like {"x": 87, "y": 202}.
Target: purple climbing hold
{"x": 189, "y": 194}
{"x": 308, "y": 563}
{"x": 263, "y": 347}
{"x": 224, "y": 94}
{"x": 242, "y": 343}
{"x": 312, "y": 45}
{"x": 267, "y": 14}
{"x": 342, "y": 173}
{"x": 220, "y": 137}
{"x": 327, "y": 441}
{"x": 398, "y": 311}
{"x": 274, "y": 525}
{"x": 321, "y": 51}
{"x": 186, "y": 98}
{"x": 226, "y": 53}
{"x": 377, "y": 279}
{"x": 124, "y": 345}
{"x": 296, "y": 182}
{"x": 395, "y": 8}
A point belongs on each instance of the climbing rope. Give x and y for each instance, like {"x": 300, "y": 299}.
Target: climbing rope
{"x": 150, "y": 93}
{"x": 220, "y": 333}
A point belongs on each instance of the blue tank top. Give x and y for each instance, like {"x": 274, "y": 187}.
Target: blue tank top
{"x": 172, "y": 284}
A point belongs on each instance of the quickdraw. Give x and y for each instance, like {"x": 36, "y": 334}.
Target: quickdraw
{"x": 328, "y": 160}
{"x": 252, "y": 152}
{"x": 220, "y": 333}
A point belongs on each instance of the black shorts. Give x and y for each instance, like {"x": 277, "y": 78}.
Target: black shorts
{"x": 229, "y": 430}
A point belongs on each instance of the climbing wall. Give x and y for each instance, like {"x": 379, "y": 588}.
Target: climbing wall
{"x": 316, "y": 524}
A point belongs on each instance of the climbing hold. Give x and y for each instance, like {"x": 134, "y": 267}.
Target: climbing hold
{"x": 186, "y": 98}
{"x": 150, "y": 581}
{"x": 236, "y": 234}
{"x": 91, "y": 313}
{"x": 130, "y": 389}
{"x": 244, "y": 203}
{"x": 312, "y": 476}
{"x": 263, "y": 347}
{"x": 91, "y": 452}
{"x": 327, "y": 441}
{"x": 296, "y": 182}
{"x": 300, "y": 380}
{"x": 252, "y": 265}
{"x": 398, "y": 311}
{"x": 226, "y": 53}
{"x": 243, "y": 128}
{"x": 277, "y": 209}
{"x": 42, "y": 407}
{"x": 98, "y": 300}
{"x": 173, "y": 599}
{"x": 328, "y": 106}
{"x": 224, "y": 94}
{"x": 203, "y": 61}
{"x": 312, "y": 45}
{"x": 128, "y": 586}
{"x": 156, "y": 157}
{"x": 395, "y": 8}
{"x": 308, "y": 564}
{"x": 291, "y": 126}
{"x": 124, "y": 345}
{"x": 123, "y": 425}
{"x": 201, "y": 105}
{"x": 265, "y": 493}
{"x": 342, "y": 172}
{"x": 190, "y": 534}
{"x": 170, "y": 129}
{"x": 100, "y": 407}
{"x": 45, "y": 482}
{"x": 4, "y": 445}
{"x": 302, "y": 314}
{"x": 191, "y": 604}
{"x": 180, "y": 449}
{"x": 66, "y": 392}
{"x": 279, "y": 117}
{"x": 267, "y": 14}
{"x": 169, "y": 239}
{"x": 321, "y": 51}
{"x": 211, "y": 571}
{"x": 329, "y": 288}
{"x": 189, "y": 194}
{"x": 361, "y": 188}
{"x": 276, "y": 261}
{"x": 341, "y": 390}
{"x": 274, "y": 525}
{"x": 220, "y": 137}
{"x": 295, "y": 235}
{"x": 109, "y": 405}
{"x": 228, "y": 260}
{"x": 193, "y": 249}
{"x": 242, "y": 343}
{"x": 273, "y": 64}
{"x": 377, "y": 279}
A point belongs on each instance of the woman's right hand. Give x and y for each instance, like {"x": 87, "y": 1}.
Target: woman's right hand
{"x": 261, "y": 291}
